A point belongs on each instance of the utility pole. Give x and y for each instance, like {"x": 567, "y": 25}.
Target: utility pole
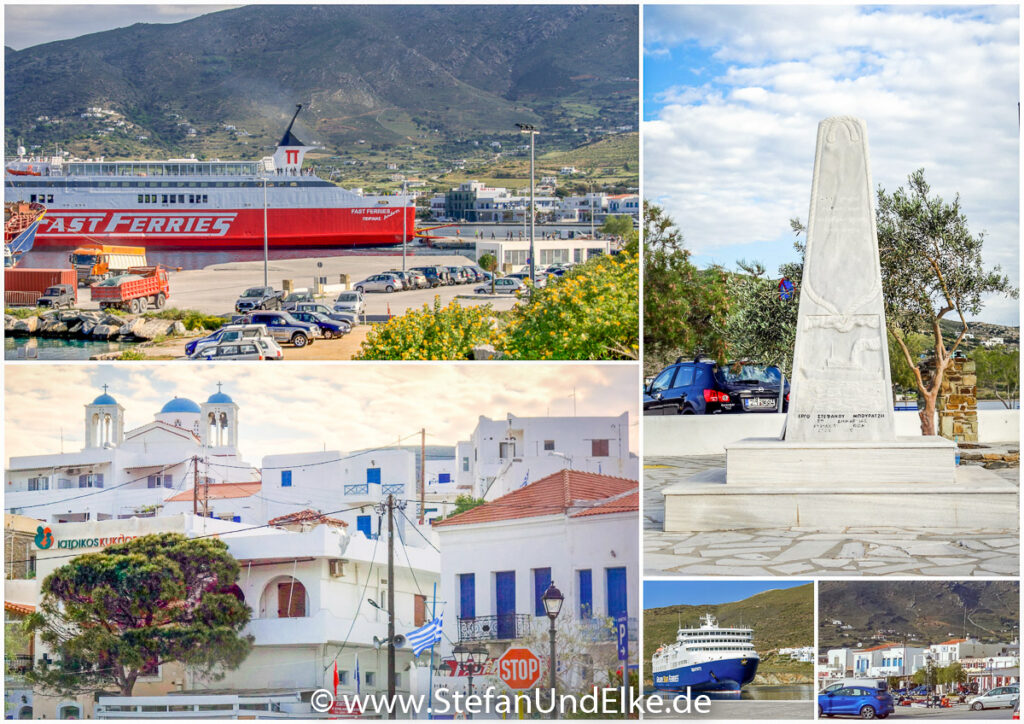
{"x": 423, "y": 467}
{"x": 404, "y": 202}
{"x": 391, "y": 603}
{"x": 195, "y": 485}
{"x": 532, "y": 130}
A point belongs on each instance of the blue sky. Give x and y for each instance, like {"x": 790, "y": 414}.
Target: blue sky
{"x": 306, "y": 407}
{"x": 733, "y": 96}
{"x": 658, "y": 594}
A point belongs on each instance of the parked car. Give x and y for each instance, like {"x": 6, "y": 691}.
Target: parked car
{"x": 350, "y": 302}
{"x": 240, "y": 350}
{"x": 502, "y": 285}
{"x": 864, "y": 701}
{"x": 258, "y": 298}
{"x": 458, "y": 275}
{"x": 297, "y": 297}
{"x": 329, "y": 328}
{"x": 525, "y": 276}
{"x": 57, "y": 296}
{"x": 703, "y": 387}
{"x": 405, "y": 277}
{"x": 379, "y": 283}
{"x": 995, "y": 698}
{"x": 473, "y": 274}
{"x": 228, "y": 332}
{"x": 430, "y": 273}
{"x": 419, "y": 279}
{"x": 346, "y": 319}
{"x": 284, "y": 327}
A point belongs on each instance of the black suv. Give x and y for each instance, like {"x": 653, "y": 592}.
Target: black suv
{"x": 255, "y": 298}
{"x": 703, "y": 387}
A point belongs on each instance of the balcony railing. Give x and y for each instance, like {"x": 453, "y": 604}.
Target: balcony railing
{"x": 363, "y": 489}
{"x": 603, "y": 629}
{"x": 493, "y": 628}
{"x": 393, "y": 489}
{"x": 18, "y": 664}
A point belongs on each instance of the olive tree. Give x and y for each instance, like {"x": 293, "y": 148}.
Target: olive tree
{"x": 931, "y": 267}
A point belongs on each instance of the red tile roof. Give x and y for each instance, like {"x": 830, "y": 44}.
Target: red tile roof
{"x": 306, "y": 516}
{"x": 219, "y": 491}
{"x": 953, "y": 641}
{"x": 623, "y": 504}
{"x": 561, "y": 492}
{"x": 877, "y": 648}
{"x": 22, "y": 608}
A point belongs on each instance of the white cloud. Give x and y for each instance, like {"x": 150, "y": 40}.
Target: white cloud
{"x": 295, "y": 408}
{"x": 731, "y": 159}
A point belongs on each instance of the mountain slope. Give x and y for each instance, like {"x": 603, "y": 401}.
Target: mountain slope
{"x": 456, "y": 70}
{"x": 922, "y": 612}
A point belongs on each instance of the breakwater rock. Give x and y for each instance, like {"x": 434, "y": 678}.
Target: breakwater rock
{"x": 75, "y": 324}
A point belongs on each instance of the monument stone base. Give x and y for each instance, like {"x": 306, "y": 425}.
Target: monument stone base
{"x": 772, "y": 462}
{"x": 975, "y": 499}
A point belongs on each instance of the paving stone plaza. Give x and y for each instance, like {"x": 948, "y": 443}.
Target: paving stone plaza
{"x": 844, "y": 550}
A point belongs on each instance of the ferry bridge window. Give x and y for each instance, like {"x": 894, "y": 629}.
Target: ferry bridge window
{"x": 181, "y": 198}
{"x": 173, "y": 199}
{"x": 204, "y": 198}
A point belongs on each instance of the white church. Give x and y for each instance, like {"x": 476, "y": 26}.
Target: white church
{"x": 140, "y": 472}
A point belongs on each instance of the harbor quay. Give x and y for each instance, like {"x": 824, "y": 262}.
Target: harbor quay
{"x": 214, "y": 289}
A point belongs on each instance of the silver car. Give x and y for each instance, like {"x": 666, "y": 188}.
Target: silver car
{"x": 351, "y": 302}
{"x": 380, "y": 283}
{"x": 502, "y": 285}
{"x": 542, "y": 279}
{"x": 244, "y": 349}
{"x": 996, "y": 698}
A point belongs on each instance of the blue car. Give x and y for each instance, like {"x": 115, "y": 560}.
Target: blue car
{"x": 862, "y": 701}
{"x": 329, "y": 328}
{"x": 703, "y": 387}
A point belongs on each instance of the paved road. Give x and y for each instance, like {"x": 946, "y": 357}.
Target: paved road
{"x": 747, "y": 710}
{"x": 960, "y": 713}
{"x": 213, "y": 290}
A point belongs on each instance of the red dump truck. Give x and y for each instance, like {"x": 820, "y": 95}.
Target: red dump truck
{"x": 23, "y": 287}
{"x": 136, "y": 290}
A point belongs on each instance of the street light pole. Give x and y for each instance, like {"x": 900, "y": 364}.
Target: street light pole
{"x": 552, "y": 600}
{"x": 265, "y": 246}
{"x": 403, "y": 223}
{"x": 532, "y": 130}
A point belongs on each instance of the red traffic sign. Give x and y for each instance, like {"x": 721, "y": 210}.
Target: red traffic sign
{"x": 519, "y": 668}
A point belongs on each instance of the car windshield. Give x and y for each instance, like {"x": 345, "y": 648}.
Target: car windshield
{"x": 52, "y": 291}
{"x": 254, "y": 292}
{"x": 750, "y": 374}
{"x": 348, "y": 298}
{"x": 295, "y": 296}
{"x": 89, "y": 259}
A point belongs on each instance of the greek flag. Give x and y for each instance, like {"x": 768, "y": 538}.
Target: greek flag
{"x": 425, "y": 636}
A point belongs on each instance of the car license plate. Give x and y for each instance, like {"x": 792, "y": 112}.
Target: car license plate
{"x": 759, "y": 403}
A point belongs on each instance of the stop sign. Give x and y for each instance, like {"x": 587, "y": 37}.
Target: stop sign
{"x": 519, "y": 668}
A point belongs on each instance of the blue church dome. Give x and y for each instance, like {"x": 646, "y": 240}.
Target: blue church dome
{"x": 181, "y": 404}
{"x": 220, "y": 398}
{"x": 104, "y": 399}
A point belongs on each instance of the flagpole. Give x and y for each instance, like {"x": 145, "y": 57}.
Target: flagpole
{"x": 430, "y": 680}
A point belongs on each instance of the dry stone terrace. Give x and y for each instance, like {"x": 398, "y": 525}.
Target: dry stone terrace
{"x": 850, "y": 548}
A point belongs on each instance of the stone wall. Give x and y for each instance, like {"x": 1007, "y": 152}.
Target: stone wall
{"x": 957, "y": 404}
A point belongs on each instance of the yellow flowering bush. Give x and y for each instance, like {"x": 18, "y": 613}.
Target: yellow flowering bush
{"x": 593, "y": 312}
{"x": 429, "y": 333}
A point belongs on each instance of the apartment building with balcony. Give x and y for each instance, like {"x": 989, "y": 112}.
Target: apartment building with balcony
{"x": 576, "y": 529}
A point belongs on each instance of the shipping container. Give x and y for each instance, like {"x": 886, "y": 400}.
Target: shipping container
{"x": 22, "y": 287}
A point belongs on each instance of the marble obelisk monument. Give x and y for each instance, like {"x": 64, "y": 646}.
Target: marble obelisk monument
{"x": 841, "y": 386}
{"x": 839, "y": 457}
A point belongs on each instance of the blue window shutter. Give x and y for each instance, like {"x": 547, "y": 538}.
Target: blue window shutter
{"x": 364, "y": 525}
{"x": 467, "y": 595}
{"x": 373, "y": 476}
{"x": 236, "y": 519}
{"x": 616, "y": 583}
{"x": 586, "y": 594}
{"x": 541, "y": 581}
{"x": 505, "y": 603}
{"x": 286, "y": 478}
{"x": 444, "y": 477}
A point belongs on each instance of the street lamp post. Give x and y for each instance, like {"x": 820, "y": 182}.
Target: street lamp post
{"x": 403, "y": 223}
{"x": 532, "y": 130}
{"x": 473, "y": 659}
{"x": 552, "y": 599}
{"x": 265, "y": 263}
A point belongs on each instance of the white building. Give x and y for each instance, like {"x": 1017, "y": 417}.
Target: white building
{"x": 503, "y": 455}
{"x": 304, "y": 579}
{"x": 145, "y": 465}
{"x": 956, "y": 649}
{"x": 514, "y": 254}
{"x": 888, "y": 660}
{"x": 577, "y": 530}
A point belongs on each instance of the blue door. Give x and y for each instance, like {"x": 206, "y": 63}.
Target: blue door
{"x": 364, "y": 525}
{"x": 467, "y": 595}
{"x": 373, "y": 476}
{"x": 505, "y": 603}
{"x": 617, "y": 599}
{"x": 541, "y": 581}
{"x": 586, "y": 594}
